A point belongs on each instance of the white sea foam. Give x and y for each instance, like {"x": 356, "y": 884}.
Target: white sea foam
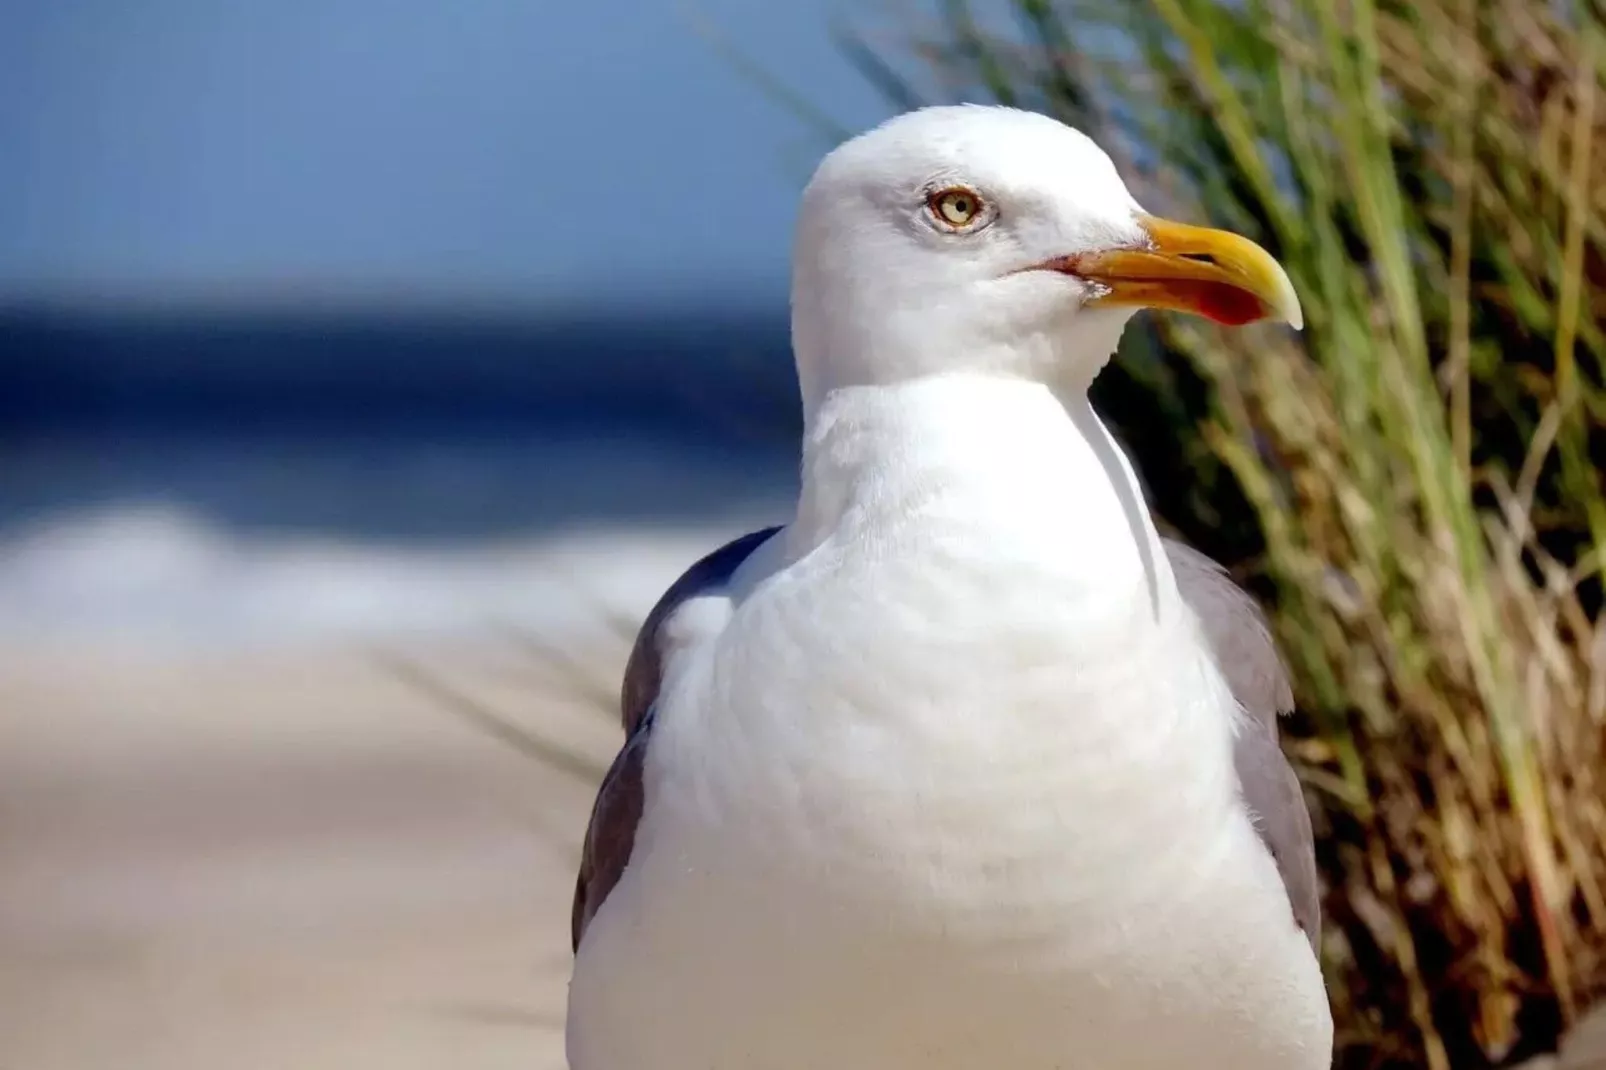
{"x": 160, "y": 574}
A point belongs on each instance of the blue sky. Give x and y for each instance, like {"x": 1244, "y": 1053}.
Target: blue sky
{"x": 536, "y": 152}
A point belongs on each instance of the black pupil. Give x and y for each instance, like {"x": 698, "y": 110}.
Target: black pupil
{"x": 961, "y": 206}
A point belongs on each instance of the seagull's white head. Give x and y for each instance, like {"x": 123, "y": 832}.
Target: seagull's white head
{"x": 970, "y": 238}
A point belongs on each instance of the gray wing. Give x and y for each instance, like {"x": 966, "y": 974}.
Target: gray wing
{"x": 611, "y": 834}
{"x": 1248, "y": 658}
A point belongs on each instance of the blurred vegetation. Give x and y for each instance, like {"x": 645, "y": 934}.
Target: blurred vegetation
{"x": 1416, "y": 481}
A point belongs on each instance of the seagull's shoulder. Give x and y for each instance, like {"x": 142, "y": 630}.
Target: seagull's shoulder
{"x": 1237, "y": 632}
{"x": 668, "y": 628}
{"x": 1247, "y": 657}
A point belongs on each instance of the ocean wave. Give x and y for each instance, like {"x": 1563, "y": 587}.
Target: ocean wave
{"x": 163, "y": 574}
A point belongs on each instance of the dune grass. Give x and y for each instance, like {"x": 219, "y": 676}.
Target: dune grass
{"x": 1415, "y": 480}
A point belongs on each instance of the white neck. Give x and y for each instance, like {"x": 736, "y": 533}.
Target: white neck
{"x": 1003, "y": 466}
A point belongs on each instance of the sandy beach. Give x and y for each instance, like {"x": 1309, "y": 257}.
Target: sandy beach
{"x": 237, "y": 829}
{"x": 286, "y": 857}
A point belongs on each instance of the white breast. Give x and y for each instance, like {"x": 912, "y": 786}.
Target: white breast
{"x": 942, "y": 796}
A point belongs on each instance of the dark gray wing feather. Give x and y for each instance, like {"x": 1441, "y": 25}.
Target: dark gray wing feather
{"x": 1248, "y": 659}
{"x": 611, "y": 834}
{"x": 645, "y": 669}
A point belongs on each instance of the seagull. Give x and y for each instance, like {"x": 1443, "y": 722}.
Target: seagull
{"x": 965, "y": 767}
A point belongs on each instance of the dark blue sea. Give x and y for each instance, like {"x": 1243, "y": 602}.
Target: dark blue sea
{"x": 259, "y": 476}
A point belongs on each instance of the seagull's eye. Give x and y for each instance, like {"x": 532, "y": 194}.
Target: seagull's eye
{"x": 957, "y": 208}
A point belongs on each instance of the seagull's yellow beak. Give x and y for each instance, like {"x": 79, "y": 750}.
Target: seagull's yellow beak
{"x": 1209, "y": 273}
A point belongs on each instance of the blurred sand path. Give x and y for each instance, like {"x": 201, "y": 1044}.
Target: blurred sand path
{"x": 279, "y": 860}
